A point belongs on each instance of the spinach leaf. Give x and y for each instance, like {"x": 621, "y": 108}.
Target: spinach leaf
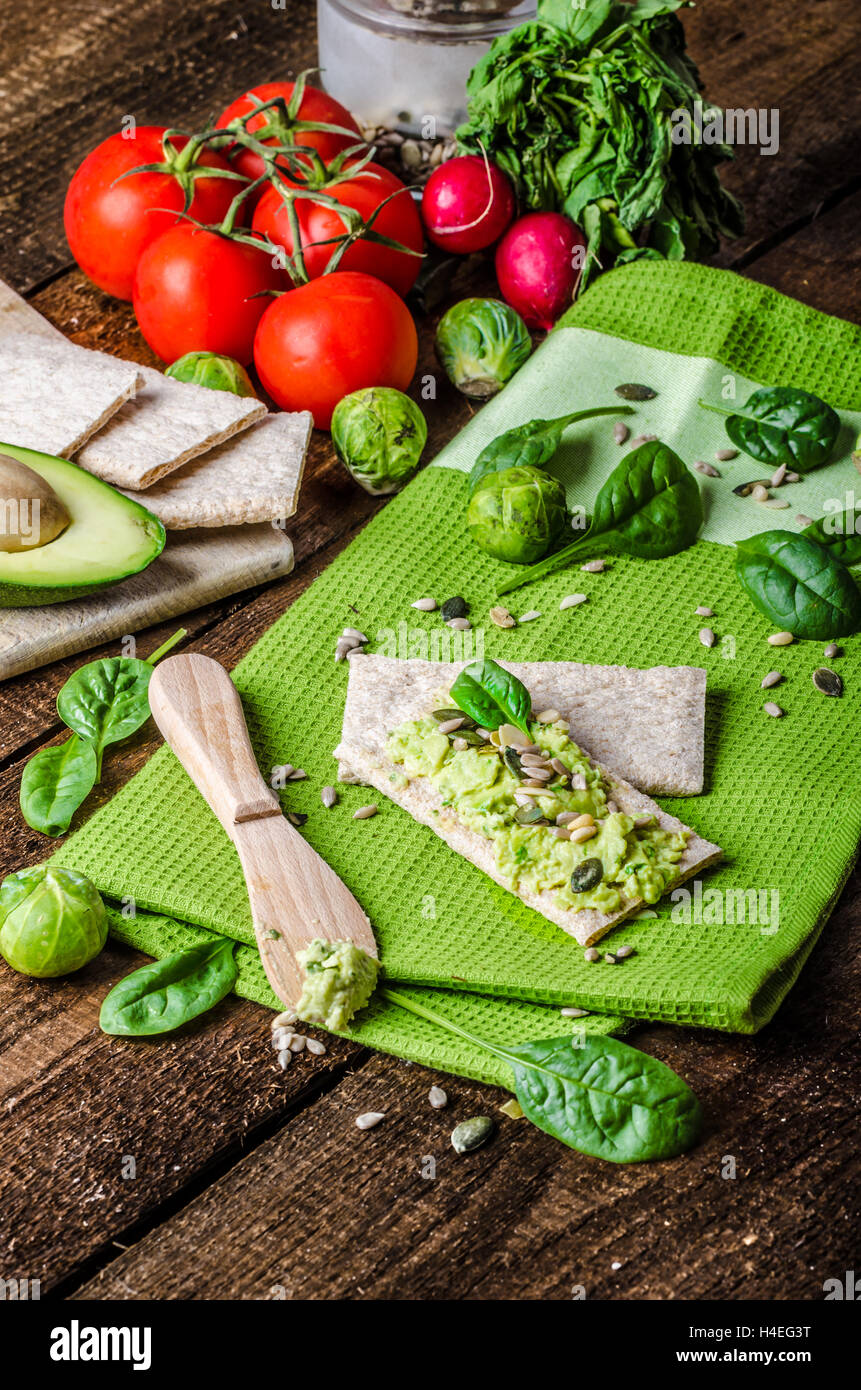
{"x": 798, "y": 585}
{"x": 530, "y": 445}
{"x": 169, "y": 992}
{"x": 783, "y": 425}
{"x": 840, "y": 533}
{"x": 492, "y": 696}
{"x": 594, "y": 1093}
{"x": 55, "y": 782}
{"x": 650, "y": 506}
{"x": 106, "y": 701}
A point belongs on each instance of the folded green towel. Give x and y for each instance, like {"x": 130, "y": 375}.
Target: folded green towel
{"x": 782, "y": 796}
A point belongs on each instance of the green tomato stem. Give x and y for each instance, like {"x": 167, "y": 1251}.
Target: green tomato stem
{"x": 167, "y": 646}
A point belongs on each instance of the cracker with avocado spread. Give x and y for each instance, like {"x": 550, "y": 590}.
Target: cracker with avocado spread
{"x": 467, "y": 797}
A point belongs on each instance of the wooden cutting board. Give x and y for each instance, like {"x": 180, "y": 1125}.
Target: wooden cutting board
{"x": 197, "y": 567}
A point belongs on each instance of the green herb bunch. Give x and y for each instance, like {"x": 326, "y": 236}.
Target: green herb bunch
{"x": 577, "y": 108}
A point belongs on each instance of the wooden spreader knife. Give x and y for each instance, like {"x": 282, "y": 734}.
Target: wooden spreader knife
{"x": 295, "y": 896}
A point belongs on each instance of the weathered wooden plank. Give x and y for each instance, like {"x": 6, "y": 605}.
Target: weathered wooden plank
{"x": 525, "y": 1218}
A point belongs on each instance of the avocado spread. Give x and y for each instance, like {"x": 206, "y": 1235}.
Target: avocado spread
{"x": 339, "y": 979}
{"x": 623, "y": 859}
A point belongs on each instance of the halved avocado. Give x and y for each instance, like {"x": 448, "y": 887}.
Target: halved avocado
{"x": 108, "y": 538}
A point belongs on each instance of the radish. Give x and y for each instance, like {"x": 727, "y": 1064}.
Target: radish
{"x": 538, "y": 265}
{"x": 467, "y": 204}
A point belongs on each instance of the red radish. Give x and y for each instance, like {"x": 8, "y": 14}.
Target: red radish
{"x": 538, "y": 265}
{"x": 467, "y": 204}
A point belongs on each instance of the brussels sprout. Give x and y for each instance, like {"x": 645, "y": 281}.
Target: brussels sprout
{"x": 208, "y": 369}
{"x": 518, "y": 514}
{"x": 481, "y": 343}
{"x": 52, "y": 921}
{"x": 379, "y": 434}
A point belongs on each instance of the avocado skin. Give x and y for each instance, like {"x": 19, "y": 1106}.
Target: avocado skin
{"x": 29, "y": 595}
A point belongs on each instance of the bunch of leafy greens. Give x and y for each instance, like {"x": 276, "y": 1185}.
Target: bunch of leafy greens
{"x": 102, "y": 703}
{"x": 579, "y": 107}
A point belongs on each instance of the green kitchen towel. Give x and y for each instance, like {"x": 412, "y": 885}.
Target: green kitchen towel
{"x": 781, "y": 796}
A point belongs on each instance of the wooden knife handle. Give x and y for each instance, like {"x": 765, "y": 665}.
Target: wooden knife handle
{"x": 198, "y": 710}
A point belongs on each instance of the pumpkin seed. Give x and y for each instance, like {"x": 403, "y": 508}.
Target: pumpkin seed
{"x": 471, "y": 1134}
{"x": 369, "y": 1119}
{"x": 530, "y": 815}
{"x": 746, "y": 489}
{"x": 512, "y": 1109}
{"x": 773, "y": 678}
{"x": 469, "y": 738}
{"x": 425, "y": 605}
{"x": 827, "y": 682}
{"x": 635, "y": 391}
{"x": 587, "y": 876}
{"x": 620, "y": 432}
{"x": 774, "y": 710}
{"x": 451, "y": 712}
{"x": 437, "y": 1097}
{"x": 454, "y": 608}
{"x": 591, "y": 955}
{"x": 511, "y": 758}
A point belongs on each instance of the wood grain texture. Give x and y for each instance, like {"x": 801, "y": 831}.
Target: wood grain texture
{"x": 314, "y": 1207}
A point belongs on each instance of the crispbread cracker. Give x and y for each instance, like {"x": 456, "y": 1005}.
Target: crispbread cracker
{"x": 253, "y": 477}
{"x": 17, "y": 316}
{"x": 54, "y": 394}
{"x": 384, "y": 692}
{"x": 167, "y": 424}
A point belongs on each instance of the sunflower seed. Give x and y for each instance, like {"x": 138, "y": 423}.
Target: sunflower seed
{"x": 778, "y": 475}
{"x": 724, "y": 455}
{"x": 539, "y": 774}
{"x": 425, "y": 605}
{"x": 315, "y": 1047}
{"x": 297, "y": 818}
{"x": 792, "y": 478}
{"x": 328, "y": 796}
{"x": 594, "y": 566}
{"x": 530, "y": 616}
{"x": 707, "y": 637}
{"x": 745, "y": 489}
{"x": 803, "y": 520}
{"x": 547, "y": 716}
{"x": 773, "y": 678}
{"x": 369, "y": 1119}
{"x": 365, "y": 812}
{"x": 707, "y": 468}
{"x": 759, "y": 493}
{"x": 642, "y": 439}
{"x": 512, "y": 1109}
{"x": 531, "y": 789}
{"x": 591, "y": 955}
{"x": 454, "y": 608}
{"x": 281, "y": 1038}
{"x": 572, "y": 600}
{"x": 620, "y": 432}
{"x": 354, "y": 634}
{"x": 832, "y": 650}
{"x": 574, "y": 1013}
{"x": 284, "y": 1019}
{"x": 624, "y": 952}
{"x": 776, "y": 504}
{"x": 448, "y": 726}
{"x": 297, "y": 775}
{"x": 502, "y": 618}
{"x": 515, "y": 738}
{"x": 703, "y": 612}
{"x": 827, "y": 682}
{"x": 355, "y": 651}
{"x": 583, "y": 819}
{"x": 437, "y": 1097}
{"x": 642, "y": 822}
{"x": 562, "y": 832}
{"x": 578, "y": 782}
{"x": 282, "y": 773}
{"x": 566, "y": 817}
{"x": 558, "y": 766}
{"x": 471, "y": 1134}
{"x": 459, "y": 624}
{"x": 297, "y": 1042}
{"x": 780, "y": 639}
{"x": 612, "y": 807}
{"x": 610, "y": 958}
{"x": 285, "y": 1057}
{"x": 635, "y": 391}
{"x": 532, "y": 759}
{"x": 774, "y": 710}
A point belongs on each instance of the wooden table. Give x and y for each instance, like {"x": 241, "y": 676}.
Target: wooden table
{"x": 250, "y": 1183}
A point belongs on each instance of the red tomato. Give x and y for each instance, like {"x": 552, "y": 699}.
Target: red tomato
{"x": 319, "y": 222}
{"x": 194, "y": 292}
{"x": 270, "y": 127}
{"x": 109, "y": 224}
{"x": 334, "y": 335}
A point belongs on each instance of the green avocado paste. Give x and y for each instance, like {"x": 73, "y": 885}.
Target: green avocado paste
{"x": 625, "y": 858}
{"x": 339, "y": 980}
